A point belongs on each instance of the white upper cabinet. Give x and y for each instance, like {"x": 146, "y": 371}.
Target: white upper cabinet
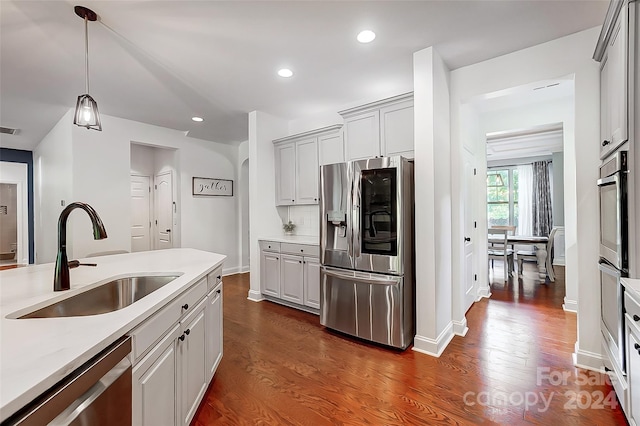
{"x": 362, "y": 133}
{"x": 307, "y": 171}
{"x": 614, "y": 84}
{"x": 297, "y": 163}
{"x": 380, "y": 128}
{"x": 331, "y": 148}
{"x": 285, "y": 173}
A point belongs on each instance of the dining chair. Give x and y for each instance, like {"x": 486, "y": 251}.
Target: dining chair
{"x": 498, "y": 249}
{"x": 523, "y": 255}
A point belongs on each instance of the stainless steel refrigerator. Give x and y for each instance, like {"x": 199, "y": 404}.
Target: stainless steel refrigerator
{"x": 366, "y": 249}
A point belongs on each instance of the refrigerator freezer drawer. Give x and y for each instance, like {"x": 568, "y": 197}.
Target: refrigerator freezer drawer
{"x": 374, "y": 307}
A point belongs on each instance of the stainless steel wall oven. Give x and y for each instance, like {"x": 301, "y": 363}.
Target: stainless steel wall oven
{"x": 614, "y": 254}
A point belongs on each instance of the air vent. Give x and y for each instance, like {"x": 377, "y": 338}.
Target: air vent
{"x": 9, "y": 131}
{"x": 3, "y": 210}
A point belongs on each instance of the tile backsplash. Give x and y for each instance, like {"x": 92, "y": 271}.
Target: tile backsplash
{"x": 306, "y": 219}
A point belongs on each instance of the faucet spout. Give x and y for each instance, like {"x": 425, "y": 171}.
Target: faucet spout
{"x": 61, "y": 278}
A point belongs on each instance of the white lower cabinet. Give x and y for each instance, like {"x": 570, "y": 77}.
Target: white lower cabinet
{"x": 154, "y": 384}
{"x": 191, "y": 355}
{"x": 312, "y": 282}
{"x": 213, "y": 319}
{"x": 170, "y": 378}
{"x": 290, "y": 273}
{"x": 633, "y": 371}
{"x": 291, "y": 278}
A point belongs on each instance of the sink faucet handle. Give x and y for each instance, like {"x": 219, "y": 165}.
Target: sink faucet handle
{"x": 76, "y": 263}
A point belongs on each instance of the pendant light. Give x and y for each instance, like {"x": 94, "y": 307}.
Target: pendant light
{"x": 86, "y": 107}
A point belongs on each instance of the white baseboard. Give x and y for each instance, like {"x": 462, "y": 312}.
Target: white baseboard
{"x": 559, "y": 261}
{"x": 433, "y": 347}
{"x": 255, "y": 296}
{"x": 231, "y": 271}
{"x": 586, "y": 359}
{"x": 460, "y": 327}
{"x": 570, "y": 305}
{"x": 484, "y": 292}
{"x": 245, "y": 269}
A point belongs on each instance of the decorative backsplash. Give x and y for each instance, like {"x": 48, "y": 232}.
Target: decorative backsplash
{"x": 306, "y": 219}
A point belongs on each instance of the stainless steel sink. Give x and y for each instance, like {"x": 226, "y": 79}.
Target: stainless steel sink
{"x": 109, "y": 297}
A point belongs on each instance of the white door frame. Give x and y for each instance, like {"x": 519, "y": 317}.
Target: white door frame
{"x": 17, "y": 173}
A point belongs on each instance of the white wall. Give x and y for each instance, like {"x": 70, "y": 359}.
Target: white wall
{"x": 569, "y": 55}
{"x": 434, "y": 328}
{"x": 264, "y": 220}
{"x": 99, "y": 174}
{"x": 52, "y": 186}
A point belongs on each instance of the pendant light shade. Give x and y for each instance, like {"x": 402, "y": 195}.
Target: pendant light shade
{"x": 86, "y": 107}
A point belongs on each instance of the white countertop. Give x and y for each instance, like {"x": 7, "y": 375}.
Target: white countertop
{"x": 37, "y": 353}
{"x": 633, "y": 285}
{"x": 296, "y": 239}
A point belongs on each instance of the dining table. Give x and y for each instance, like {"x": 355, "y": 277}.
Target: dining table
{"x": 540, "y": 244}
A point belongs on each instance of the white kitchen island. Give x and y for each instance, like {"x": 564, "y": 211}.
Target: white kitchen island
{"x": 37, "y": 353}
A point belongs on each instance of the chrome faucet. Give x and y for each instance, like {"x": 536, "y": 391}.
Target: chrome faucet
{"x": 61, "y": 278}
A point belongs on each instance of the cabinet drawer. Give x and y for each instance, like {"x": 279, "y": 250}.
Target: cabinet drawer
{"x": 153, "y": 328}
{"x": 300, "y": 249}
{"x": 632, "y": 307}
{"x": 270, "y": 246}
{"x": 214, "y": 278}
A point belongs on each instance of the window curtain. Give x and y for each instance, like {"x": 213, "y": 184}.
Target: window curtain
{"x": 542, "y": 215}
{"x": 525, "y": 200}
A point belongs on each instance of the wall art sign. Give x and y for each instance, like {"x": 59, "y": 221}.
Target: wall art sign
{"x": 208, "y": 186}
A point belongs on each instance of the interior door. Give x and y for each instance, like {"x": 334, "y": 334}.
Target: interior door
{"x": 140, "y": 213}
{"x": 470, "y": 290}
{"x": 163, "y": 211}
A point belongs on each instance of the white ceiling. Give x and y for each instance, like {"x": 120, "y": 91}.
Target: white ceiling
{"x": 161, "y": 62}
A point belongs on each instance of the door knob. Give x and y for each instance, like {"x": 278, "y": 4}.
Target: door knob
{"x": 605, "y": 142}
{"x": 467, "y": 238}
{"x": 636, "y": 318}
{"x": 168, "y": 230}
{"x": 637, "y": 346}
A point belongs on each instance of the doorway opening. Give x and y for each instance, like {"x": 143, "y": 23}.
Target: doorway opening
{"x": 154, "y": 198}
{"x": 522, "y": 131}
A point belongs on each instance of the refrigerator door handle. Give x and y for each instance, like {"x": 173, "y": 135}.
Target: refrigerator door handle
{"x": 356, "y": 226}
{"x": 361, "y": 278}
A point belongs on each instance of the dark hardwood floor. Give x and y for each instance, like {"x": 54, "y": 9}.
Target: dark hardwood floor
{"x": 513, "y": 367}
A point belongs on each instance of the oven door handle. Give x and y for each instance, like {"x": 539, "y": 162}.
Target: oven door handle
{"x": 609, "y": 270}
{"x": 613, "y": 179}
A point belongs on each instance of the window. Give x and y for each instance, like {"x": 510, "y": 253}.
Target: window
{"x": 502, "y": 196}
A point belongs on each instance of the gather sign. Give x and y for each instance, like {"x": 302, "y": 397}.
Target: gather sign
{"x": 209, "y": 186}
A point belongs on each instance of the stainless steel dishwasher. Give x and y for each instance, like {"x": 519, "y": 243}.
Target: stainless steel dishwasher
{"x": 97, "y": 393}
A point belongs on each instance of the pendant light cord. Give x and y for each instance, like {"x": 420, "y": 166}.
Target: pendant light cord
{"x": 86, "y": 54}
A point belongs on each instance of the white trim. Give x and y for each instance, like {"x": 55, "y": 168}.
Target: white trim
{"x": 17, "y": 174}
{"x": 588, "y": 360}
{"x": 255, "y": 296}
{"x": 460, "y": 327}
{"x": 377, "y": 104}
{"x": 484, "y": 291}
{"x": 232, "y": 271}
{"x": 570, "y": 305}
{"x": 433, "y": 347}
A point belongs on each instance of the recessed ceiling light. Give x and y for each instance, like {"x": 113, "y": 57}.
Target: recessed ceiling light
{"x": 366, "y": 36}
{"x": 285, "y": 72}
{"x": 197, "y": 119}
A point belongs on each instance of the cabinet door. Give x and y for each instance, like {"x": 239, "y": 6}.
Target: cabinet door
{"x": 312, "y": 282}
{"x": 634, "y": 375}
{"x": 331, "y": 148}
{"x": 213, "y": 328}
{"x": 292, "y": 278}
{"x": 154, "y": 384}
{"x": 285, "y": 159}
{"x": 192, "y": 355}
{"x": 362, "y": 135}
{"x": 396, "y": 129}
{"x": 617, "y": 75}
{"x": 270, "y": 273}
{"x": 307, "y": 171}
